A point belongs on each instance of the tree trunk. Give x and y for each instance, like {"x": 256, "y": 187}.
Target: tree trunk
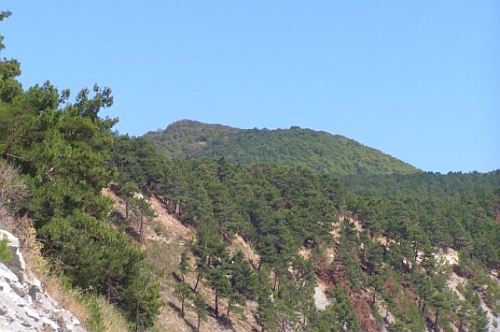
{"x": 137, "y": 317}
{"x": 126, "y": 208}
{"x": 182, "y": 307}
{"x": 140, "y": 226}
{"x": 216, "y": 304}
{"x": 276, "y": 285}
{"x": 415, "y": 256}
{"x": 197, "y": 281}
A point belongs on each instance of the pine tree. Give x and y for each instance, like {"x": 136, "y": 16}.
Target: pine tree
{"x": 143, "y": 302}
{"x": 218, "y": 281}
{"x": 183, "y": 291}
{"x": 184, "y": 264}
{"x": 201, "y": 310}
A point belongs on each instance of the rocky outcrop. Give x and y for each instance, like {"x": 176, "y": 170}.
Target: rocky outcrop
{"x": 24, "y": 305}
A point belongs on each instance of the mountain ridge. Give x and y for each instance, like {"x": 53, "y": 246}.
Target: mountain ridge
{"x": 319, "y": 150}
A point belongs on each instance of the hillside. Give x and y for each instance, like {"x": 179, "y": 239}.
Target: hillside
{"x": 167, "y": 233}
{"x": 321, "y": 151}
{"x": 419, "y": 257}
{"x": 267, "y": 244}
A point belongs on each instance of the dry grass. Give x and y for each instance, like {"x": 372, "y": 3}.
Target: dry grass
{"x": 82, "y": 306}
{"x": 67, "y": 298}
{"x": 165, "y": 237}
{"x": 239, "y": 244}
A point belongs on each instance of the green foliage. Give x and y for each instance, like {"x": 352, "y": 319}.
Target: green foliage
{"x": 337, "y": 317}
{"x": 201, "y": 310}
{"x": 280, "y": 197}
{"x": 243, "y": 278}
{"x": 5, "y": 254}
{"x": 320, "y": 151}
{"x": 137, "y": 161}
{"x": 280, "y": 209}
{"x": 184, "y": 264}
{"x": 183, "y": 291}
{"x": 96, "y": 321}
{"x": 265, "y": 312}
{"x": 454, "y": 210}
{"x": 218, "y": 281}
{"x": 142, "y": 302}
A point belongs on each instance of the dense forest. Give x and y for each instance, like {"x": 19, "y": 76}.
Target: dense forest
{"x": 321, "y": 151}
{"x": 372, "y": 230}
{"x": 392, "y": 257}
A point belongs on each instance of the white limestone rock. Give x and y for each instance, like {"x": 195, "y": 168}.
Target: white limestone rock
{"x": 24, "y": 305}
{"x": 17, "y": 263}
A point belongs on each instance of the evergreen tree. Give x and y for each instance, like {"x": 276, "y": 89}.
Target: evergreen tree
{"x": 201, "y": 310}
{"x": 183, "y": 291}
{"x": 218, "y": 281}
{"x": 184, "y": 264}
{"x": 143, "y": 303}
{"x": 266, "y": 314}
{"x": 243, "y": 279}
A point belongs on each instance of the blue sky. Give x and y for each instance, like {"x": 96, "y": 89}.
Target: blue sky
{"x": 419, "y": 80}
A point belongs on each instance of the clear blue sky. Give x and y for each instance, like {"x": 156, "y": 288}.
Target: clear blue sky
{"x": 419, "y": 80}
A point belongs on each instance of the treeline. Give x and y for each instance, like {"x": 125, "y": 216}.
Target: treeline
{"x": 320, "y": 151}
{"x": 454, "y": 211}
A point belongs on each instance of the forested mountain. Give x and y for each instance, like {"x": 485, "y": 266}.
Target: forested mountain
{"x": 393, "y": 248}
{"x": 321, "y": 151}
{"x": 380, "y": 253}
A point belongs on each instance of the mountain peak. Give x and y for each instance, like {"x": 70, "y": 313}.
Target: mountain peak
{"x": 321, "y": 151}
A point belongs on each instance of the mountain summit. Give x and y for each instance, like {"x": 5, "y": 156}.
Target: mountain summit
{"x": 321, "y": 151}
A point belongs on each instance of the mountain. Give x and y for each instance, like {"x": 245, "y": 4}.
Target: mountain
{"x": 321, "y": 151}
{"x": 266, "y": 244}
{"x": 410, "y": 252}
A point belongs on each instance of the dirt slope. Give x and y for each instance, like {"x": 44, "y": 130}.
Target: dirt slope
{"x": 164, "y": 238}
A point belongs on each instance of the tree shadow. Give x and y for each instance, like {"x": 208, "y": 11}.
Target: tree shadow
{"x": 431, "y": 326}
{"x": 254, "y": 329}
{"x": 178, "y": 311}
{"x": 133, "y": 233}
{"x": 225, "y": 322}
{"x": 117, "y": 218}
{"x": 176, "y": 277}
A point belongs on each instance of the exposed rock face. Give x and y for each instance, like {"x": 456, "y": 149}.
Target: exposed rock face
{"x": 320, "y": 298}
{"x": 24, "y": 305}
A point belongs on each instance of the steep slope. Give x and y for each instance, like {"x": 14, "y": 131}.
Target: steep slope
{"x": 321, "y": 151}
{"x": 376, "y": 269}
{"x": 446, "y": 259}
{"x": 165, "y": 233}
